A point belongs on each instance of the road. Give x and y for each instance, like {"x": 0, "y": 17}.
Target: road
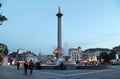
{"x": 11, "y": 72}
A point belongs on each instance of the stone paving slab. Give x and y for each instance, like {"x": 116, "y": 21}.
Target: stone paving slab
{"x": 13, "y": 73}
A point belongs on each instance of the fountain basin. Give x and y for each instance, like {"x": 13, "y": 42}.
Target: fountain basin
{"x": 74, "y": 67}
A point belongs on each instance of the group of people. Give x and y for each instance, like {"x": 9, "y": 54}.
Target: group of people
{"x": 27, "y": 66}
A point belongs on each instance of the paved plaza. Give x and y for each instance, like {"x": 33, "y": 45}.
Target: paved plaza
{"x": 11, "y": 72}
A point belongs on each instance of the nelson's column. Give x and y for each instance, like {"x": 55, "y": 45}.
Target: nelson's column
{"x": 58, "y": 52}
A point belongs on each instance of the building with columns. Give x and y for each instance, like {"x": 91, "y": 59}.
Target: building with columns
{"x": 75, "y": 54}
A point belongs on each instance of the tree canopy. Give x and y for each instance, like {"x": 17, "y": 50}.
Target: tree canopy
{"x": 104, "y": 56}
{"x": 112, "y": 54}
{"x": 2, "y": 17}
{"x": 3, "y": 49}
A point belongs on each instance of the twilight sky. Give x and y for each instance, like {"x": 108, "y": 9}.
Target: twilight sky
{"x": 32, "y": 24}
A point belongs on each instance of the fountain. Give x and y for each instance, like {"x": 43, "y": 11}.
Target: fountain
{"x": 59, "y": 59}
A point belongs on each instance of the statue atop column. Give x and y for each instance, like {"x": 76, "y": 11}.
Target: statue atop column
{"x": 58, "y": 50}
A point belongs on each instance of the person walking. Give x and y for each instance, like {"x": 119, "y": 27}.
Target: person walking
{"x": 18, "y": 65}
{"x": 25, "y": 67}
{"x": 31, "y": 66}
{"x": 62, "y": 66}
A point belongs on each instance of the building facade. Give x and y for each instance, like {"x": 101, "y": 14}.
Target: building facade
{"x": 75, "y": 54}
{"x": 94, "y": 53}
{"x": 25, "y": 55}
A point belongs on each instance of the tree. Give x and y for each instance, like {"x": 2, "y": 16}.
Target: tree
{"x": 112, "y": 54}
{"x": 104, "y": 56}
{"x": 3, "y": 49}
{"x": 2, "y": 17}
{"x": 1, "y": 58}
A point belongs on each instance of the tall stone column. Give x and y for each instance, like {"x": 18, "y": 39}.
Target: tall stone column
{"x": 59, "y": 39}
{"x": 58, "y": 50}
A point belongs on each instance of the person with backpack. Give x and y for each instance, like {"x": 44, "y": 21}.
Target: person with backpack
{"x": 31, "y": 66}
